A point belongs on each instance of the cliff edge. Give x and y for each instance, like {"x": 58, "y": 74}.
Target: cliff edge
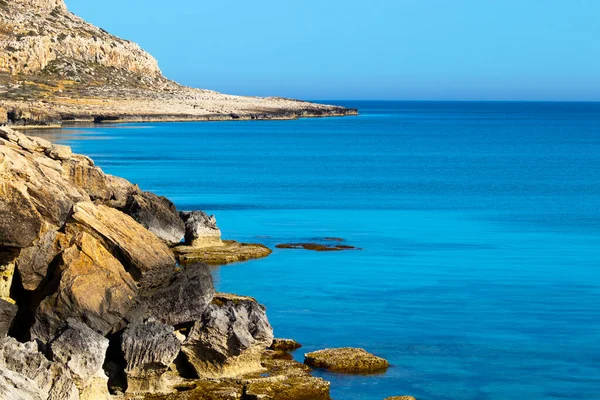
{"x": 55, "y": 67}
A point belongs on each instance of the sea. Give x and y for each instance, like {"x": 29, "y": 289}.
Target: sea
{"x": 478, "y": 223}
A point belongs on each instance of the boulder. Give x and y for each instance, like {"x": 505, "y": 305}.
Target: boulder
{"x": 20, "y": 222}
{"x": 147, "y": 258}
{"x": 230, "y": 337}
{"x": 158, "y": 215}
{"x": 34, "y": 260}
{"x": 8, "y": 311}
{"x": 93, "y": 287}
{"x": 348, "y": 359}
{"x": 14, "y": 386}
{"x": 148, "y": 349}
{"x": 53, "y": 379}
{"x": 182, "y": 300}
{"x": 285, "y": 345}
{"x": 7, "y": 270}
{"x": 201, "y": 229}
{"x": 82, "y": 351}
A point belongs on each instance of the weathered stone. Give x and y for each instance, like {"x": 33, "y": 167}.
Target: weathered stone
{"x": 348, "y": 359}
{"x": 59, "y": 152}
{"x": 182, "y": 300}
{"x": 7, "y": 270}
{"x": 148, "y": 259}
{"x": 8, "y": 311}
{"x": 148, "y": 349}
{"x": 53, "y": 379}
{"x": 93, "y": 287}
{"x": 201, "y": 229}
{"x": 20, "y": 222}
{"x": 34, "y": 260}
{"x": 82, "y": 351}
{"x": 3, "y": 116}
{"x": 230, "y": 337}
{"x": 158, "y": 215}
{"x": 14, "y": 386}
{"x": 227, "y": 252}
{"x": 285, "y": 345}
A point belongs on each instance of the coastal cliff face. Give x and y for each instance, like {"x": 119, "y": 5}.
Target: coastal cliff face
{"x": 93, "y": 303}
{"x": 56, "y": 67}
{"x": 36, "y": 33}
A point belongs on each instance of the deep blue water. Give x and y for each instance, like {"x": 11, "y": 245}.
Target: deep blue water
{"x": 479, "y": 277}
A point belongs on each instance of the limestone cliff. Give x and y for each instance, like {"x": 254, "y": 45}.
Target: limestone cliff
{"x": 36, "y": 33}
{"x": 56, "y": 67}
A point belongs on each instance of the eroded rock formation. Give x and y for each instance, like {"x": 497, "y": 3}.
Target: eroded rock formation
{"x": 98, "y": 302}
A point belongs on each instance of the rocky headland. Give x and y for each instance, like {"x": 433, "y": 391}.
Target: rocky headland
{"x": 93, "y": 303}
{"x": 57, "y": 68}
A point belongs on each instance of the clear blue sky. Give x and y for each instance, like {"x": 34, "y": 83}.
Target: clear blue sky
{"x": 375, "y": 49}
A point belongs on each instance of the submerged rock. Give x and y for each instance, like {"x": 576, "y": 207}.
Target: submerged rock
{"x": 348, "y": 359}
{"x": 316, "y": 246}
{"x": 201, "y": 229}
{"x": 148, "y": 349}
{"x": 400, "y": 398}
{"x": 82, "y": 351}
{"x": 93, "y": 287}
{"x": 228, "y": 252}
{"x": 230, "y": 337}
{"x": 158, "y": 215}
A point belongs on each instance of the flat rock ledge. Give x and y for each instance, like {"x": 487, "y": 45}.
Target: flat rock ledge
{"x": 349, "y": 360}
{"x": 400, "y": 398}
{"x": 229, "y": 252}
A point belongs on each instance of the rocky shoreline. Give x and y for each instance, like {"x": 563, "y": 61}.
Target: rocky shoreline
{"x": 94, "y": 304}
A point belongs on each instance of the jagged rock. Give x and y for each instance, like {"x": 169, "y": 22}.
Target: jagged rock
{"x": 52, "y": 378}
{"x": 230, "y": 337}
{"x": 348, "y": 359}
{"x": 34, "y": 260}
{"x": 93, "y": 287}
{"x": 82, "y": 351}
{"x": 158, "y": 215}
{"x": 149, "y": 349}
{"x": 8, "y": 311}
{"x": 182, "y": 300}
{"x": 7, "y": 270}
{"x": 148, "y": 259}
{"x": 201, "y": 229}
{"x": 14, "y": 386}
{"x": 285, "y": 345}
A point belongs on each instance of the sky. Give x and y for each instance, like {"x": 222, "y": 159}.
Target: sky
{"x": 375, "y": 49}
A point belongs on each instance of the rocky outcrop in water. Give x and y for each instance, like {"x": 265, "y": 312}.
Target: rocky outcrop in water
{"x": 98, "y": 303}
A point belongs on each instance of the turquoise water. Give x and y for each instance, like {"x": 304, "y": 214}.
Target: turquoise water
{"x": 479, "y": 223}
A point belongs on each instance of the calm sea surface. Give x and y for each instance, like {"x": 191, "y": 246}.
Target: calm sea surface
{"x": 479, "y": 277}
